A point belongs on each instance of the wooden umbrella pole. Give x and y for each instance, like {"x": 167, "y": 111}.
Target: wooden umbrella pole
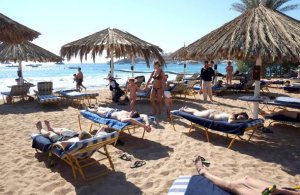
{"x": 256, "y": 91}
{"x": 112, "y": 66}
{"x": 132, "y": 66}
{"x": 20, "y": 74}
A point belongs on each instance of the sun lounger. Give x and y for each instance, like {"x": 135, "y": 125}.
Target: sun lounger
{"x": 78, "y": 97}
{"x": 196, "y": 184}
{"x": 78, "y": 154}
{"x": 44, "y": 93}
{"x": 16, "y": 91}
{"x": 292, "y": 88}
{"x": 216, "y": 90}
{"x": 112, "y": 123}
{"x": 235, "y": 129}
{"x": 144, "y": 94}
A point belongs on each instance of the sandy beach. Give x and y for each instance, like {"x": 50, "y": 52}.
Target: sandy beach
{"x": 274, "y": 157}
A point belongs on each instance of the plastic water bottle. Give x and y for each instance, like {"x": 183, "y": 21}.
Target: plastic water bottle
{"x": 269, "y": 190}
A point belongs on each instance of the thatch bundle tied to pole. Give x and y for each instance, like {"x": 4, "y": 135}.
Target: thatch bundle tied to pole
{"x": 13, "y": 32}
{"x": 258, "y": 32}
{"x": 116, "y": 43}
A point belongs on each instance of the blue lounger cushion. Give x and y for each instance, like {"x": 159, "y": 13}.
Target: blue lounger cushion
{"x": 197, "y": 185}
{"x": 76, "y": 94}
{"x": 48, "y": 99}
{"x": 295, "y": 88}
{"x": 222, "y": 126}
{"x": 77, "y": 146}
{"x": 113, "y": 123}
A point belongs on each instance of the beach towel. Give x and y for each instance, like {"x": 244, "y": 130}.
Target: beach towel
{"x": 195, "y": 185}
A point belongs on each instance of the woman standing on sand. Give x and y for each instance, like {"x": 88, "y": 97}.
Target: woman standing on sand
{"x": 156, "y": 94}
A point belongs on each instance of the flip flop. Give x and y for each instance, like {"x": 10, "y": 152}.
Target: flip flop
{"x": 126, "y": 157}
{"x": 138, "y": 163}
{"x": 204, "y": 161}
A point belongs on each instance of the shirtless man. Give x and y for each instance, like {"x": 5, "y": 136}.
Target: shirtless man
{"x": 123, "y": 116}
{"x": 79, "y": 79}
{"x": 214, "y": 115}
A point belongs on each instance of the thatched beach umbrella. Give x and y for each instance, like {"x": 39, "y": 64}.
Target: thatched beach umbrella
{"x": 259, "y": 34}
{"x": 13, "y": 32}
{"x": 117, "y": 44}
{"x": 25, "y": 51}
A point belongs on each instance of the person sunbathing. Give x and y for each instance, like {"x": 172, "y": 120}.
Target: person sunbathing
{"x": 245, "y": 186}
{"x": 214, "y": 115}
{"x": 282, "y": 115}
{"x": 122, "y": 115}
{"x": 61, "y": 134}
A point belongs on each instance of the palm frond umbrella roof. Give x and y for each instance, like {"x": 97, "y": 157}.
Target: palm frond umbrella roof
{"x": 117, "y": 43}
{"x": 179, "y": 54}
{"x": 14, "y": 32}
{"x": 26, "y": 51}
{"x": 258, "y": 32}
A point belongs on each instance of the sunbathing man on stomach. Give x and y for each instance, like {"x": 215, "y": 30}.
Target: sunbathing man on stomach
{"x": 217, "y": 116}
{"x": 123, "y": 116}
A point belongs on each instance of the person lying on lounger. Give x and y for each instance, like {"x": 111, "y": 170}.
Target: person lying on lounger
{"x": 216, "y": 116}
{"x": 61, "y": 134}
{"x": 282, "y": 115}
{"x": 122, "y": 115}
{"x": 245, "y": 186}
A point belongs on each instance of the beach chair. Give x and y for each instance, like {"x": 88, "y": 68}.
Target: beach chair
{"x": 16, "y": 91}
{"x": 215, "y": 90}
{"x": 75, "y": 97}
{"x": 179, "y": 89}
{"x": 140, "y": 80}
{"x": 44, "y": 93}
{"x": 108, "y": 122}
{"x": 196, "y": 184}
{"x": 77, "y": 155}
{"x": 190, "y": 87}
{"x": 235, "y": 129}
{"x": 282, "y": 103}
{"x": 295, "y": 88}
{"x": 195, "y": 76}
{"x": 144, "y": 94}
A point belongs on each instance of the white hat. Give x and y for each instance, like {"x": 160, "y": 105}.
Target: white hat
{"x": 167, "y": 94}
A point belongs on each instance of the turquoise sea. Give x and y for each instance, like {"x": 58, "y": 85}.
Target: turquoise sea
{"x": 94, "y": 73}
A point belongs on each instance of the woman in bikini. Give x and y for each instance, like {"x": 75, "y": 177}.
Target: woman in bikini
{"x": 156, "y": 94}
{"x": 214, "y": 115}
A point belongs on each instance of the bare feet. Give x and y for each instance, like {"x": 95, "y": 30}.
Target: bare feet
{"x": 199, "y": 166}
{"x": 39, "y": 125}
{"x": 47, "y": 123}
{"x": 147, "y": 128}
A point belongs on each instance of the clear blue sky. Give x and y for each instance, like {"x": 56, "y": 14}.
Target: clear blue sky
{"x": 166, "y": 23}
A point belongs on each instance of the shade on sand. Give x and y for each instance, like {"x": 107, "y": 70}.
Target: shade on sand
{"x": 259, "y": 34}
{"x": 116, "y": 43}
{"x": 13, "y": 32}
{"x": 26, "y": 51}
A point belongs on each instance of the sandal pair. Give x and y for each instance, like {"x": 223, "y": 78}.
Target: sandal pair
{"x": 138, "y": 163}
{"x": 126, "y": 157}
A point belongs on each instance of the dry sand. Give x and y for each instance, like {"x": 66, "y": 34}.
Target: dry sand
{"x": 270, "y": 156}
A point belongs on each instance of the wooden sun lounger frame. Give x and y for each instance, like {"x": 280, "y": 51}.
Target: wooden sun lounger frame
{"x": 79, "y": 165}
{"x": 127, "y": 128}
{"x": 253, "y": 129}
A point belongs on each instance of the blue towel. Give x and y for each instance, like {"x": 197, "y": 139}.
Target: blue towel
{"x": 292, "y": 88}
{"x": 200, "y": 185}
{"x": 113, "y": 123}
{"x": 222, "y": 126}
{"x": 41, "y": 143}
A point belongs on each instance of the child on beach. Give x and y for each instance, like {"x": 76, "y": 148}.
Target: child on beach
{"x": 229, "y": 70}
{"x": 75, "y": 80}
{"x": 132, "y": 88}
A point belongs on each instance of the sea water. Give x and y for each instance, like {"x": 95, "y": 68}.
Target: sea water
{"x": 94, "y": 73}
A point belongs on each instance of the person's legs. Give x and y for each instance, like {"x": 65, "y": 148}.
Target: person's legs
{"x": 159, "y": 100}
{"x": 230, "y": 78}
{"x": 152, "y": 100}
{"x": 245, "y": 186}
{"x": 209, "y": 90}
{"x": 146, "y": 126}
{"x": 204, "y": 89}
{"x": 51, "y": 135}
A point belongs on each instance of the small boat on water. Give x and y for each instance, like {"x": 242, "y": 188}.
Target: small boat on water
{"x": 34, "y": 65}
{"x": 73, "y": 67}
{"x": 59, "y": 63}
{"x": 12, "y": 66}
